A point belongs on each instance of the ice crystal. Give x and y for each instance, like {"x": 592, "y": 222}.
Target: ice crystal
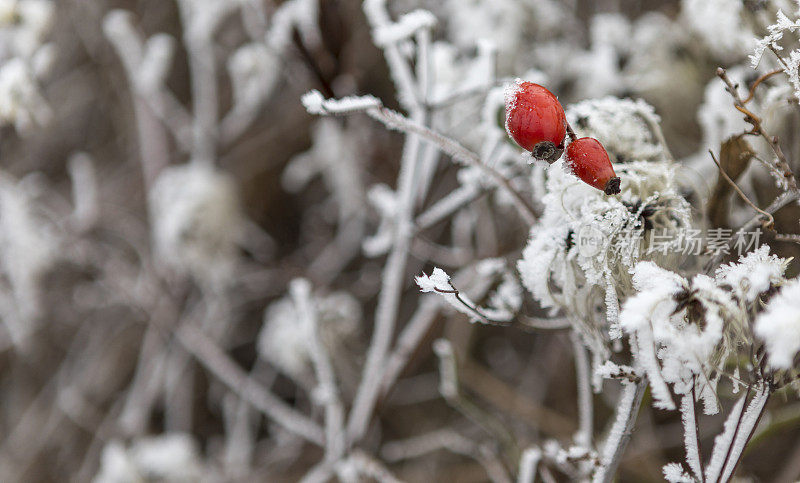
{"x": 779, "y": 326}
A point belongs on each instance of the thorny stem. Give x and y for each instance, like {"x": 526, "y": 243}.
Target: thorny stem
{"x": 770, "y": 221}
{"x": 782, "y": 167}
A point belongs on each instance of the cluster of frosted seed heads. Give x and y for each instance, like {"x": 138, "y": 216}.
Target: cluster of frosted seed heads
{"x": 536, "y": 121}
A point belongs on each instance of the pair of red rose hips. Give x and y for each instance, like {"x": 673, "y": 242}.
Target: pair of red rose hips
{"x": 536, "y": 121}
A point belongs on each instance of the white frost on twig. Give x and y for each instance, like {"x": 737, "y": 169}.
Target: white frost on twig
{"x": 405, "y": 27}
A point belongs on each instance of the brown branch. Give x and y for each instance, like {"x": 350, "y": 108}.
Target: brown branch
{"x": 770, "y": 219}
{"x": 759, "y": 81}
{"x": 781, "y": 167}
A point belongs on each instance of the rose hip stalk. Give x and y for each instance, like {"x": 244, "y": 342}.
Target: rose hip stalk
{"x": 535, "y": 120}
{"x": 589, "y": 161}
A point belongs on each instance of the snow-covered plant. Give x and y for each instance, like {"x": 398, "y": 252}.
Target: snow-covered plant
{"x": 196, "y": 221}
{"x": 777, "y": 326}
{"x": 581, "y": 251}
{"x": 284, "y": 341}
{"x": 173, "y": 457}
{"x": 24, "y": 59}
{"x": 242, "y": 240}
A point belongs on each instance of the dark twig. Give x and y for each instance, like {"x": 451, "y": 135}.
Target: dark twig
{"x": 759, "y": 81}
{"x": 781, "y": 166}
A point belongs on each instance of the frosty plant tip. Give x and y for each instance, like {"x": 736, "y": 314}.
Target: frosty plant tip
{"x": 536, "y": 121}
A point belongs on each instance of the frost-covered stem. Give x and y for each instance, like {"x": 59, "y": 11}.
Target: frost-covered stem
{"x": 204, "y": 98}
{"x": 393, "y": 273}
{"x": 583, "y": 378}
{"x": 471, "y": 309}
{"x": 394, "y": 120}
{"x": 449, "y": 388}
{"x": 85, "y": 196}
{"x": 366, "y": 465}
{"x": 690, "y": 430}
{"x": 408, "y": 340}
{"x": 445, "y": 207}
{"x": 220, "y": 365}
{"x": 790, "y": 237}
{"x": 745, "y": 429}
{"x": 389, "y": 297}
{"x": 528, "y": 464}
{"x": 540, "y": 323}
{"x": 378, "y": 16}
{"x": 424, "y": 77}
{"x": 621, "y": 430}
{"x": 203, "y": 72}
{"x": 448, "y": 440}
{"x": 152, "y": 141}
{"x": 319, "y": 473}
{"x": 129, "y": 46}
{"x": 780, "y": 58}
{"x": 327, "y": 390}
{"x": 463, "y": 94}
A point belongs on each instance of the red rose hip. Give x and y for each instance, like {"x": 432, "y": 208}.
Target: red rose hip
{"x": 535, "y": 120}
{"x": 589, "y": 161}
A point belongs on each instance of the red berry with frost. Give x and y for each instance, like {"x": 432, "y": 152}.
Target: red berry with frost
{"x": 588, "y": 160}
{"x": 535, "y": 120}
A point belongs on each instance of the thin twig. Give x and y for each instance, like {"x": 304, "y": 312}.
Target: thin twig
{"x": 451, "y": 392}
{"x": 396, "y": 121}
{"x": 621, "y": 430}
{"x": 758, "y": 81}
{"x": 778, "y": 203}
{"x": 228, "y": 372}
{"x": 328, "y": 390}
{"x": 585, "y": 403}
{"x": 782, "y": 168}
{"x": 770, "y": 222}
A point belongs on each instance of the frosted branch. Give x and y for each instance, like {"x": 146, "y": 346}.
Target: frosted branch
{"x": 315, "y": 103}
{"x": 620, "y": 433}
{"x": 327, "y": 391}
{"x": 219, "y": 364}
